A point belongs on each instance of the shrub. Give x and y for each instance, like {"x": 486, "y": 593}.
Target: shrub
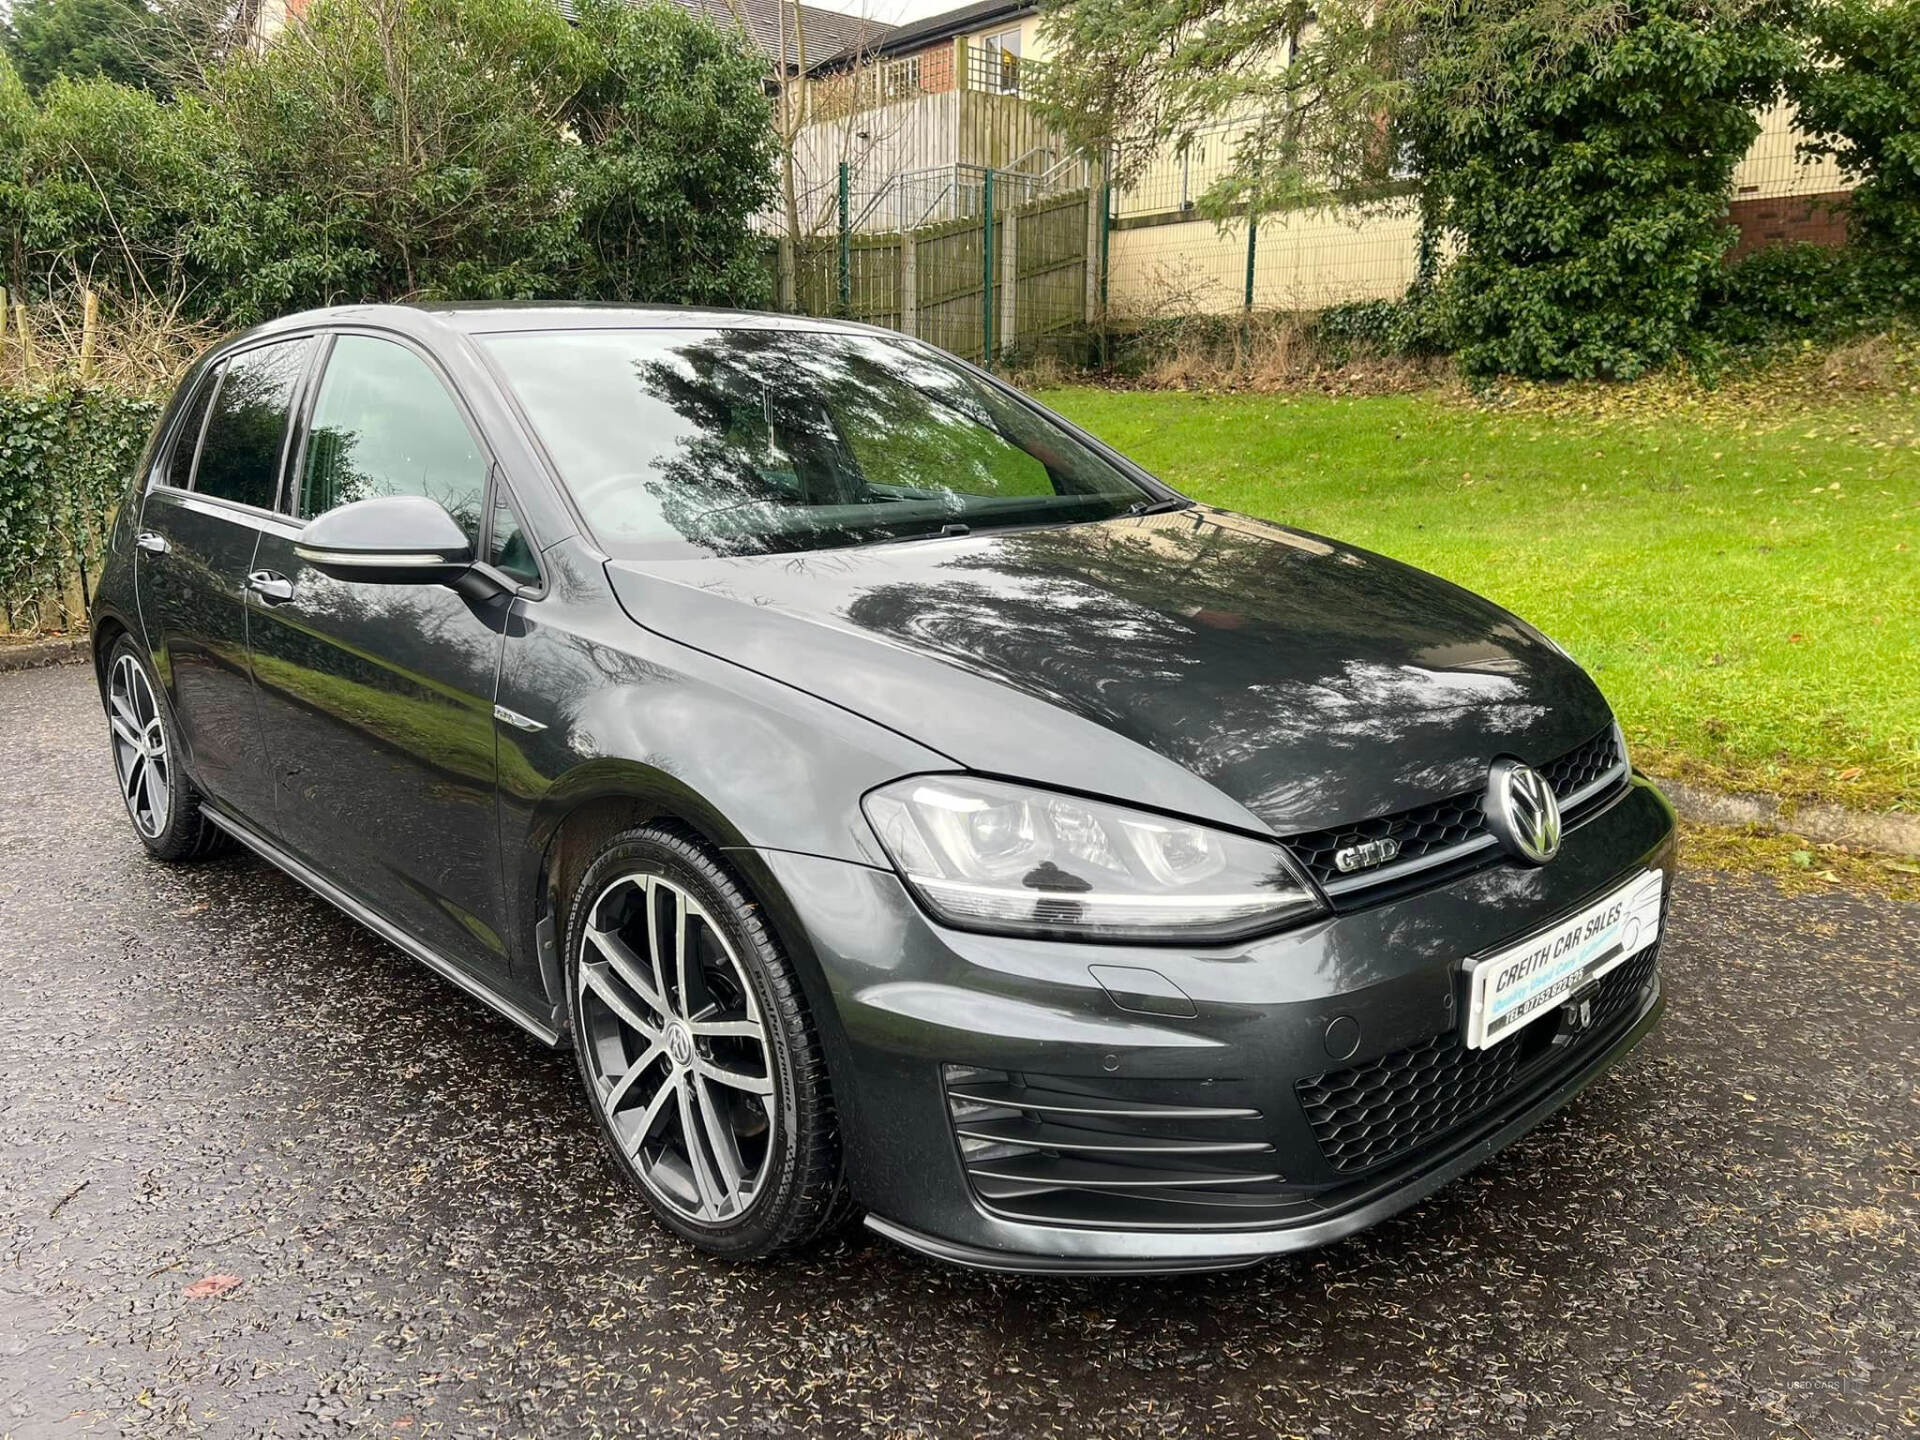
{"x": 108, "y": 183}
{"x": 1415, "y": 325}
{"x": 1859, "y": 96}
{"x": 81, "y": 38}
{"x": 390, "y": 149}
{"x": 385, "y": 148}
{"x": 1811, "y": 292}
{"x": 1584, "y": 173}
{"x": 660, "y": 218}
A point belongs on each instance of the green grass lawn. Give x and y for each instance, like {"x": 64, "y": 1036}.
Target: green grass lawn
{"x": 1742, "y": 579}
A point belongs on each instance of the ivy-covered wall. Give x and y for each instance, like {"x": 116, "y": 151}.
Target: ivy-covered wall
{"x": 66, "y": 456}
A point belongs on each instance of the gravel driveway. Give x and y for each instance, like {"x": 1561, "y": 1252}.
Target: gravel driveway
{"x": 209, "y": 1073}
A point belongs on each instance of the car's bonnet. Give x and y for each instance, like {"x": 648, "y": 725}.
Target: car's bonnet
{"x": 1245, "y": 665}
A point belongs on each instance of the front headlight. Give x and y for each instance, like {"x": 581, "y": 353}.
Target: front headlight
{"x": 986, "y": 855}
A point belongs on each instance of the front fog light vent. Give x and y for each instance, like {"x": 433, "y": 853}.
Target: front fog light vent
{"x": 1055, "y": 1150}
{"x": 970, "y": 1115}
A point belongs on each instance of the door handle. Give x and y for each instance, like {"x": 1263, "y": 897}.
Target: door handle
{"x": 270, "y": 587}
{"x": 153, "y": 544}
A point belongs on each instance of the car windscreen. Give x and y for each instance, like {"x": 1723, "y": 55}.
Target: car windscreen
{"x": 741, "y": 442}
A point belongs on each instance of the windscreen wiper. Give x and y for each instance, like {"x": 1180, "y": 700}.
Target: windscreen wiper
{"x": 949, "y": 531}
{"x": 1158, "y": 507}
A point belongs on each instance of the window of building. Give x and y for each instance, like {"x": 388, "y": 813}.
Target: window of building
{"x": 996, "y": 62}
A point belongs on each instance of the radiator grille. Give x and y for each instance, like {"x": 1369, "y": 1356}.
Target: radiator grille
{"x": 1443, "y": 825}
{"x": 1440, "y": 838}
{"x": 1582, "y": 765}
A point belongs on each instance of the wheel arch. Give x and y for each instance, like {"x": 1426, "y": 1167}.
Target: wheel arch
{"x": 107, "y": 630}
{"x": 601, "y": 798}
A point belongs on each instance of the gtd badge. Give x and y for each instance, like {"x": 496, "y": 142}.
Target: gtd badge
{"x": 1522, "y": 812}
{"x": 1365, "y": 855}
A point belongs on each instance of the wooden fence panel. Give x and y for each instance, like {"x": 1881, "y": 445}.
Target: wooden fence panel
{"x": 1049, "y": 280}
{"x": 1051, "y": 289}
{"x": 874, "y": 271}
{"x": 947, "y": 271}
{"x": 873, "y": 275}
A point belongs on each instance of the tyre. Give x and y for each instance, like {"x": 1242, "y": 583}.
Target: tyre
{"x": 160, "y": 799}
{"x": 700, "y": 1060}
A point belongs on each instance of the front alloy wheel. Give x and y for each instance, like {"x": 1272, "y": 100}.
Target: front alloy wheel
{"x": 698, "y": 1053}
{"x": 676, "y": 1048}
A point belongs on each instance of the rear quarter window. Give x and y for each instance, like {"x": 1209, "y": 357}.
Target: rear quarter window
{"x": 186, "y": 435}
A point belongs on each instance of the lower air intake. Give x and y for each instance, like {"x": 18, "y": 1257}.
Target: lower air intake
{"x": 1387, "y": 1108}
{"x": 1058, "y": 1151}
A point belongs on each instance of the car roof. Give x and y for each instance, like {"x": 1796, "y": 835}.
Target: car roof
{"x": 494, "y": 316}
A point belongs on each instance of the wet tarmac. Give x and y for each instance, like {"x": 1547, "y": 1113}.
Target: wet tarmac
{"x": 209, "y": 1073}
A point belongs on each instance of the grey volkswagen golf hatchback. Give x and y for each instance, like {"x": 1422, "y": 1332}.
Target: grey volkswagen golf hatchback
{"x": 899, "y": 801}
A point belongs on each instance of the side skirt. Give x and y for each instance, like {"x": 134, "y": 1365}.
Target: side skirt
{"x": 533, "y": 1024}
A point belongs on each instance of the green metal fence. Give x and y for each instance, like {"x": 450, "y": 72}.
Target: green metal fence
{"x": 1007, "y": 271}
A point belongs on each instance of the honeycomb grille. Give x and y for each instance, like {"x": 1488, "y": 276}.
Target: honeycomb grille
{"x": 1380, "y": 1111}
{"x": 1421, "y": 831}
{"x": 1444, "y": 825}
{"x": 1583, "y": 765}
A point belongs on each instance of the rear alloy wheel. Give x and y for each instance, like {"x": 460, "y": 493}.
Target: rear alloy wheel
{"x": 160, "y": 800}
{"x": 141, "y": 755}
{"x": 696, "y": 1049}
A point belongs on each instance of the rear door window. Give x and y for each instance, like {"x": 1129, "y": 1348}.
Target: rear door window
{"x": 247, "y": 429}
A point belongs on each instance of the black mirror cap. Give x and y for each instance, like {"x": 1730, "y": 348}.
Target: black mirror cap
{"x": 389, "y": 540}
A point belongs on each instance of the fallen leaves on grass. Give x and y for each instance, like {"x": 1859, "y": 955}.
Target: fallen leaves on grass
{"x": 1777, "y": 392}
{"x": 1800, "y": 865}
{"x": 1893, "y": 787}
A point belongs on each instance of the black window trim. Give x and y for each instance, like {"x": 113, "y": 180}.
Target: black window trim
{"x": 218, "y": 367}
{"x": 287, "y": 502}
{"x": 294, "y": 468}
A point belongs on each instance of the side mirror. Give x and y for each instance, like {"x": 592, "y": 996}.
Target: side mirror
{"x": 390, "y": 540}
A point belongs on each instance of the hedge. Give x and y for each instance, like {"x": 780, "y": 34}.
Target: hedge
{"x": 66, "y": 454}
{"x": 419, "y": 149}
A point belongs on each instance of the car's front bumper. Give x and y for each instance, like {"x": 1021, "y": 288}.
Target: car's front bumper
{"x": 1038, "y": 1249}
{"x": 1228, "y": 1034}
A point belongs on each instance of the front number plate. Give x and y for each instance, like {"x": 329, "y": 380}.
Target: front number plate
{"x": 1509, "y": 990}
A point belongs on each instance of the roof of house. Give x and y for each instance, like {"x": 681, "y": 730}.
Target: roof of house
{"x": 947, "y": 24}
{"x": 828, "y": 33}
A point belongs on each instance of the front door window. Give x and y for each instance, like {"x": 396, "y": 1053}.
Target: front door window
{"x": 385, "y": 425}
